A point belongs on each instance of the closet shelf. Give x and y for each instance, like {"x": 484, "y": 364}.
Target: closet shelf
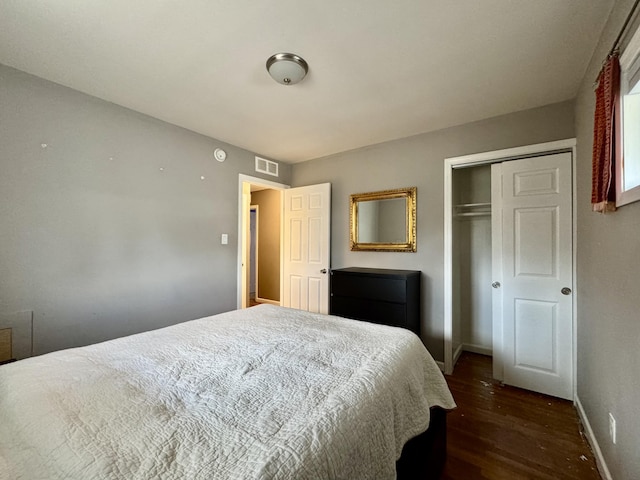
{"x": 474, "y": 205}
{"x": 472, "y": 210}
{"x": 473, "y": 214}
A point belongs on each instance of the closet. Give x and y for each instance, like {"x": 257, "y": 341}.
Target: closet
{"x": 509, "y": 264}
{"x": 471, "y": 261}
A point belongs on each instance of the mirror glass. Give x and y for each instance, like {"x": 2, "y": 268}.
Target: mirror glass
{"x": 383, "y": 221}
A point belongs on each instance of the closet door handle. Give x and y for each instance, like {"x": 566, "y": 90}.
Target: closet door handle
{"x": 495, "y": 284}
{"x": 324, "y": 270}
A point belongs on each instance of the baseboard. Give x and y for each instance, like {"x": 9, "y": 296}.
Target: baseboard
{"x": 600, "y": 462}
{"x": 467, "y": 347}
{"x": 457, "y": 353}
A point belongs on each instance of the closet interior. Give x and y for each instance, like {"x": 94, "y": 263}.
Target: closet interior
{"x": 472, "y": 310}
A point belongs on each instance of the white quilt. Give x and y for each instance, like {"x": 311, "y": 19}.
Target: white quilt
{"x": 262, "y": 393}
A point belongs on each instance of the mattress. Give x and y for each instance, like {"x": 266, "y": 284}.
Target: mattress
{"x": 262, "y": 393}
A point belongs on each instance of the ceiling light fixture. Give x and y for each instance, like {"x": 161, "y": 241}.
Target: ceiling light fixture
{"x": 287, "y": 68}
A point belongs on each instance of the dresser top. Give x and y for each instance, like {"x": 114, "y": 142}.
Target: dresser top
{"x": 377, "y": 271}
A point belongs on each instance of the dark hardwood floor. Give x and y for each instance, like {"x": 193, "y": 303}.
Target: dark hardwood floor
{"x": 502, "y": 432}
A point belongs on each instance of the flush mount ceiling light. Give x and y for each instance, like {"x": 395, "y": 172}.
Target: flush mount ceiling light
{"x": 287, "y": 68}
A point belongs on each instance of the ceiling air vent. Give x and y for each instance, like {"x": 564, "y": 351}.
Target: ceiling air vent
{"x": 266, "y": 166}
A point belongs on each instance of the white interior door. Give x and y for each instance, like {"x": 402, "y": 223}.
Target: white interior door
{"x": 533, "y": 210}
{"x": 307, "y": 221}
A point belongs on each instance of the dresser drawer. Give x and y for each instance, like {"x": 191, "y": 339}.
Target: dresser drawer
{"x": 375, "y": 288}
{"x": 376, "y": 312}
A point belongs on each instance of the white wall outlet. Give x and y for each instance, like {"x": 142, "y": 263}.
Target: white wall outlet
{"x": 612, "y": 428}
{"x": 224, "y": 238}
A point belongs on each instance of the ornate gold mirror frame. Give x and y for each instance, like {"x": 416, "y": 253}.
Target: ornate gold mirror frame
{"x": 383, "y": 221}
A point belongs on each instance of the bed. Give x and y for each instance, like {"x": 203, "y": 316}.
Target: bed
{"x": 262, "y": 393}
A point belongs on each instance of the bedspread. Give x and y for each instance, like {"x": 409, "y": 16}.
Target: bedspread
{"x": 262, "y": 393}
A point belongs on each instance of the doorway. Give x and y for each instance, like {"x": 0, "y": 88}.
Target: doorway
{"x": 300, "y": 241}
{"x": 458, "y": 223}
{"x": 266, "y": 199}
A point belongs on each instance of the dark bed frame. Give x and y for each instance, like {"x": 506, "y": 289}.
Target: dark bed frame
{"x": 423, "y": 456}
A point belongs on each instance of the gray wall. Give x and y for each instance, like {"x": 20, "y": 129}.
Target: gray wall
{"x": 95, "y": 238}
{"x": 419, "y": 161}
{"x": 608, "y": 287}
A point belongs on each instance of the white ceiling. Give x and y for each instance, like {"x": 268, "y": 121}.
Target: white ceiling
{"x": 379, "y": 69}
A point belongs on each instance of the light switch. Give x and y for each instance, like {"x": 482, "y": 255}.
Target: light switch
{"x": 224, "y": 239}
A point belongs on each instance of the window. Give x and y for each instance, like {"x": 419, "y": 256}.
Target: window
{"x": 628, "y": 164}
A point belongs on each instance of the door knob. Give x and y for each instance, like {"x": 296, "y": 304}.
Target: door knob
{"x": 566, "y": 291}
{"x": 495, "y": 284}
{"x": 324, "y": 270}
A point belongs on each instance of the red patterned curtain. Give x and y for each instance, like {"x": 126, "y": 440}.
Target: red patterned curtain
{"x": 606, "y": 136}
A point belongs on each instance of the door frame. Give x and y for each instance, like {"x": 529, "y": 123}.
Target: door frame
{"x": 487, "y": 158}
{"x": 243, "y": 221}
{"x": 254, "y": 246}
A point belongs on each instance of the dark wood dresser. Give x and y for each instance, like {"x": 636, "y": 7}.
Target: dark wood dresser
{"x": 390, "y": 297}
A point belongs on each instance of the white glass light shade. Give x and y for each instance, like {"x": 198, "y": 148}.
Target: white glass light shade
{"x": 287, "y": 68}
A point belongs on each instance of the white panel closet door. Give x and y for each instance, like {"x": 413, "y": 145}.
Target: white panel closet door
{"x": 536, "y": 266}
{"x": 307, "y": 221}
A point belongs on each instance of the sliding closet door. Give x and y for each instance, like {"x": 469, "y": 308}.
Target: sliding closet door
{"x": 535, "y": 281}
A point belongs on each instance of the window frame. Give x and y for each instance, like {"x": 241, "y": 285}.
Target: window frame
{"x": 628, "y": 58}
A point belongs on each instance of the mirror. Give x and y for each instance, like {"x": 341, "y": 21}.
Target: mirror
{"x": 383, "y": 221}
